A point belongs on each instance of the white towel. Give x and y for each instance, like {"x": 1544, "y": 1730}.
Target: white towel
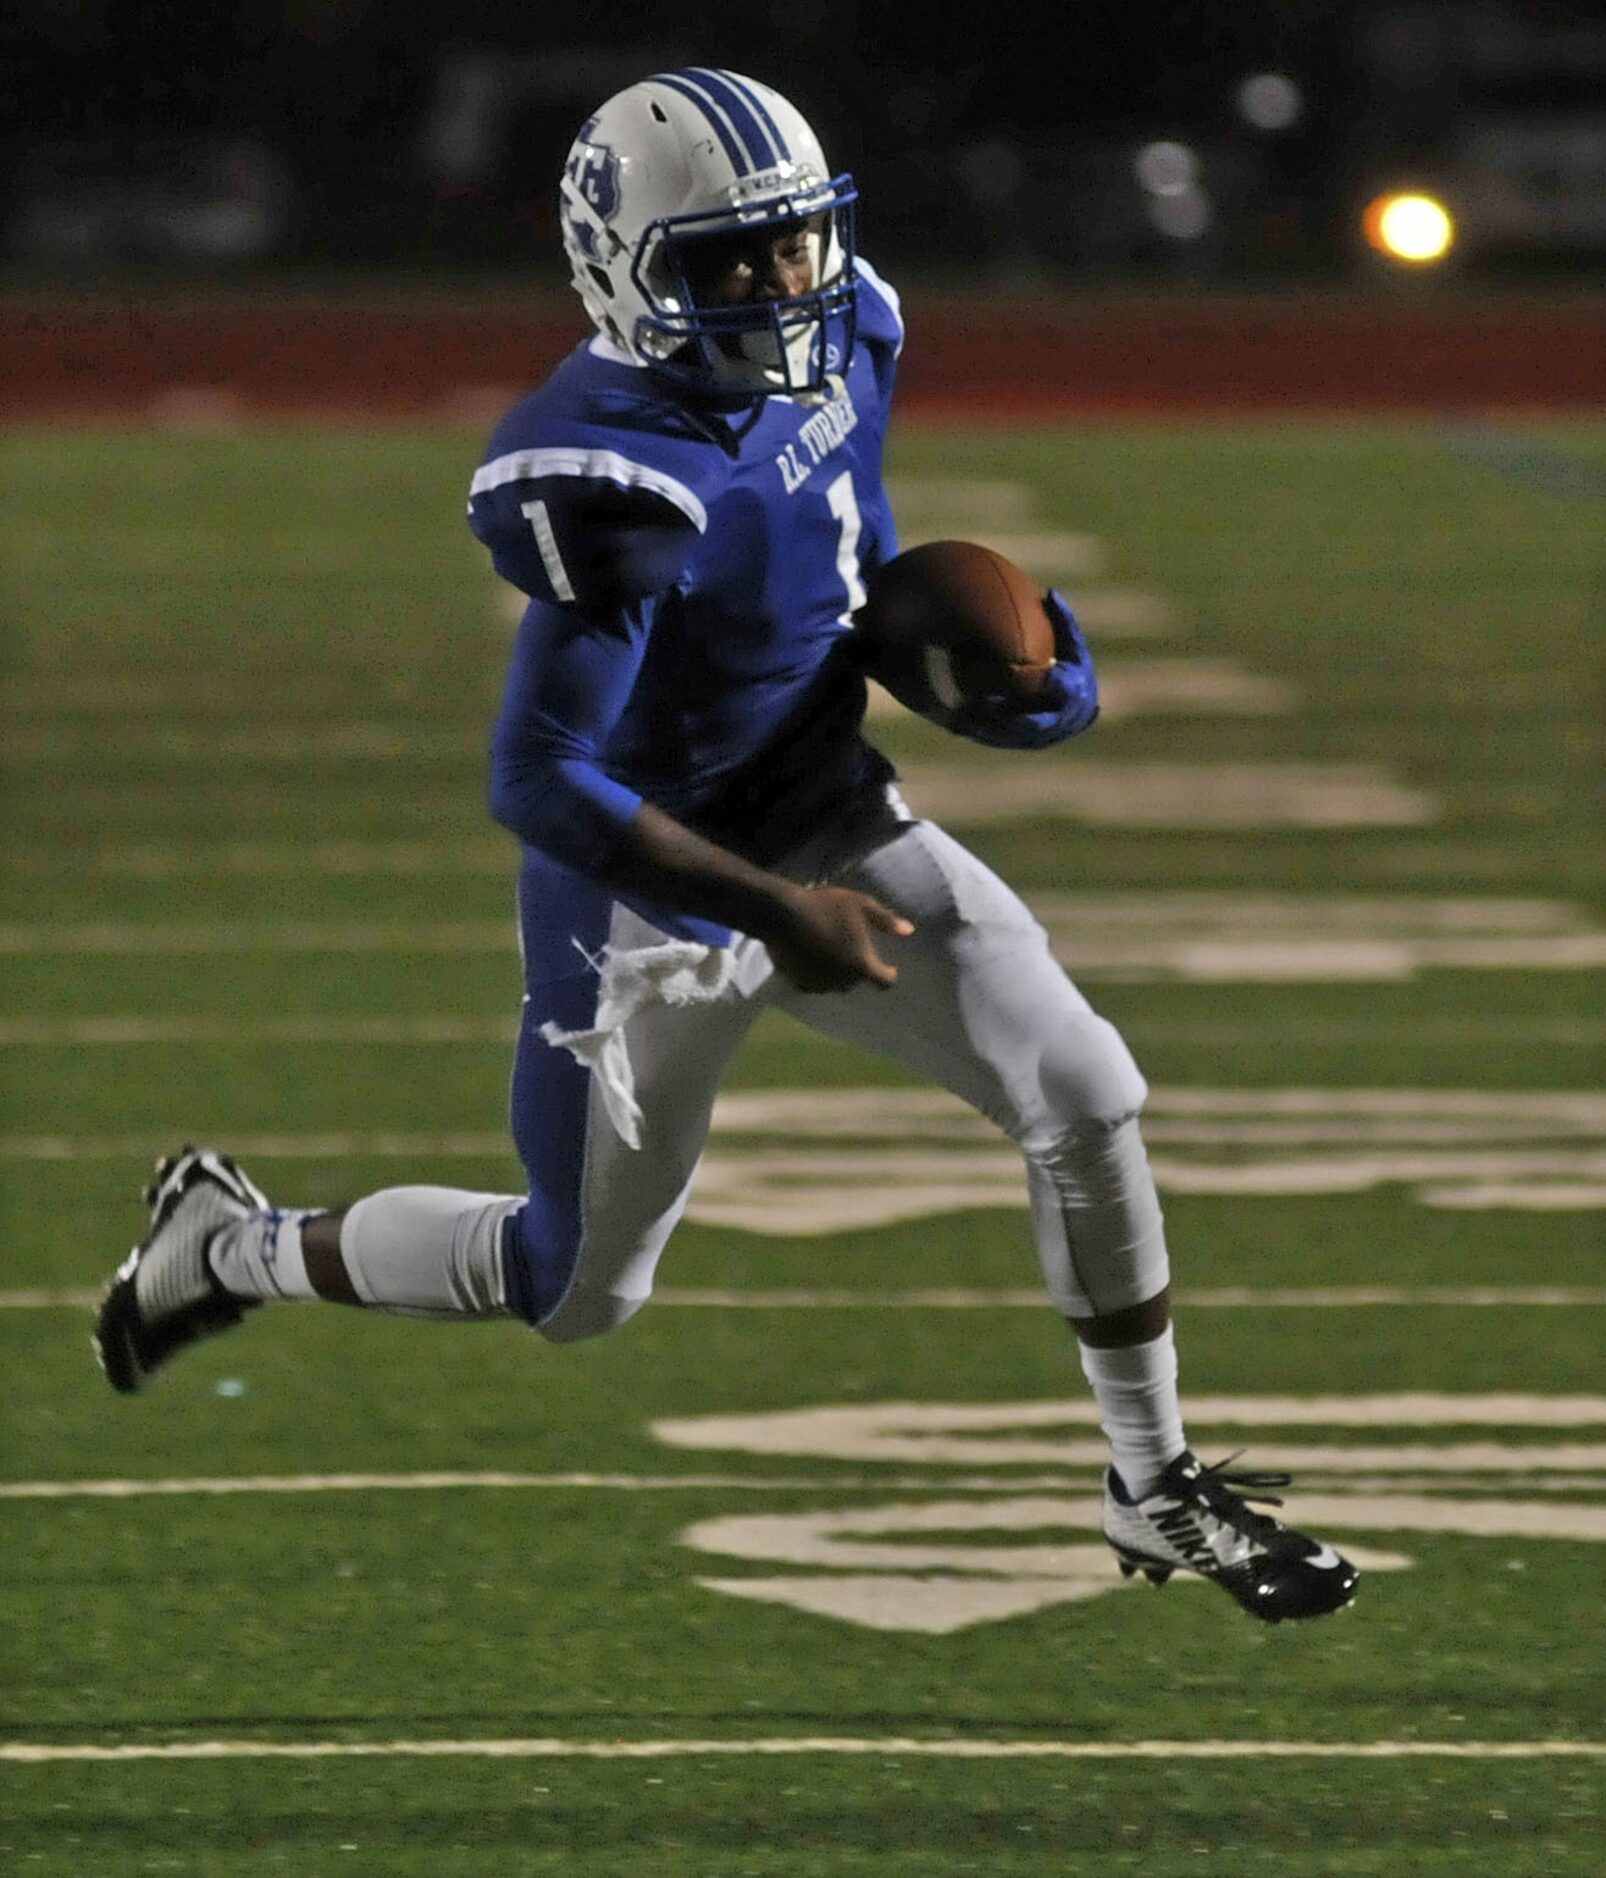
{"x": 675, "y": 972}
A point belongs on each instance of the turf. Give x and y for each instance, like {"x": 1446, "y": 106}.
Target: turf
{"x": 229, "y": 650}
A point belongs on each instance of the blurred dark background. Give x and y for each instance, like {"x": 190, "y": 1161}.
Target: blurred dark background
{"x": 1237, "y": 143}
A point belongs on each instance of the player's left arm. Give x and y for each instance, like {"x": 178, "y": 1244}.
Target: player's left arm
{"x": 1066, "y": 705}
{"x": 1069, "y": 699}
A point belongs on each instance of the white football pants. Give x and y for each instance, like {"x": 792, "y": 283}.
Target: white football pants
{"x": 981, "y": 1008}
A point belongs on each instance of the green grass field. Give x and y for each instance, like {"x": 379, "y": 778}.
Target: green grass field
{"x": 1331, "y": 860}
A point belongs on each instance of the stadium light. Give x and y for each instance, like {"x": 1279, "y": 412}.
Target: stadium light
{"x": 1409, "y": 227}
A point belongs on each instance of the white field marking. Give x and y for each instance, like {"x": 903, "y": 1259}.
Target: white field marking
{"x": 1055, "y": 556}
{"x": 1531, "y": 1196}
{"x": 117, "y": 1031}
{"x": 931, "y": 1589}
{"x": 1092, "y": 948}
{"x": 932, "y": 1604}
{"x": 1070, "y": 1475}
{"x": 906, "y": 1154}
{"x": 851, "y": 1538}
{"x": 1169, "y": 795}
{"x": 1194, "y": 1114}
{"x": 915, "y": 1566}
{"x": 1235, "y": 1297}
{"x": 444, "y": 1028}
{"x": 1127, "y": 613}
{"x": 1221, "y": 937}
{"x": 966, "y": 1748}
{"x": 1221, "y": 1298}
{"x": 1535, "y": 1149}
{"x": 1165, "y": 688}
{"x": 1219, "y": 693}
{"x": 432, "y": 1482}
{"x": 971, "y": 1433}
{"x": 1001, "y": 515}
{"x": 801, "y": 1194}
{"x": 1301, "y": 1458}
{"x": 284, "y": 692}
{"x": 1246, "y": 1118}
{"x": 798, "y": 1193}
{"x": 104, "y": 937}
{"x": 1192, "y": 688}
{"x": 482, "y": 1144}
{"x": 1193, "y": 937}
{"x": 331, "y": 740}
{"x": 1123, "y": 612}
{"x": 493, "y": 855}
{"x": 1216, "y": 915}
{"x": 958, "y": 505}
{"x": 983, "y": 1583}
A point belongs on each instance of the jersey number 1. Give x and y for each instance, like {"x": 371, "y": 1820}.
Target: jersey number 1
{"x": 845, "y": 507}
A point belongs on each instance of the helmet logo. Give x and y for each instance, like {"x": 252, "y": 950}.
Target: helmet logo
{"x": 594, "y": 171}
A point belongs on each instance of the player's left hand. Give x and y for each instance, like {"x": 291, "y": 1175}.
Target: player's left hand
{"x": 1066, "y": 705}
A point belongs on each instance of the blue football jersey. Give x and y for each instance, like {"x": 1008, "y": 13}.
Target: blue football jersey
{"x": 691, "y": 576}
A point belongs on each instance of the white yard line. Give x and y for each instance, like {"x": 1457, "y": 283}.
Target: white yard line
{"x": 479, "y": 1144}
{"x": 119, "y": 1031}
{"x": 1238, "y": 1297}
{"x": 129, "y": 1031}
{"x": 891, "y": 1746}
{"x": 1092, "y": 791}
{"x": 337, "y": 740}
{"x": 1223, "y": 1298}
{"x": 1170, "y": 795}
{"x": 223, "y": 1486}
{"x": 118, "y": 938}
{"x": 1082, "y": 1465}
{"x": 1163, "y": 688}
{"x": 1070, "y": 1475}
{"x": 77, "y": 1032}
{"x": 1543, "y": 1151}
{"x": 1206, "y": 938}
{"x": 493, "y": 855}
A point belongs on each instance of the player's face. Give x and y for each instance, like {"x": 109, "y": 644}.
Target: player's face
{"x": 739, "y": 268}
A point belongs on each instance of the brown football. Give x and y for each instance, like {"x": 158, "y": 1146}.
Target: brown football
{"x": 951, "y": 621}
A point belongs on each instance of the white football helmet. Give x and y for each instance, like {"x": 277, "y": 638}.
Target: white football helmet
{"x": 699, "y": 153}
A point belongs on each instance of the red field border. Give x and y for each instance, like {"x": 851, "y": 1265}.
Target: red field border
{"x": 136, "y": 355}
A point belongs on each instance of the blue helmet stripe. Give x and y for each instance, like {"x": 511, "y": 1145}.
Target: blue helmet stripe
{"x": 754, "y": 97}
{"x": 739, "y": 107}
{"x": 733, "y": 150}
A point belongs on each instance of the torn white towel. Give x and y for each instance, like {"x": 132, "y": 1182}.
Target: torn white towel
{"x": 676, "y": 972}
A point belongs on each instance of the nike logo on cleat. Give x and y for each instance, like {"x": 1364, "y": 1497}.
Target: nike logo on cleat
{"x": 1324, "y": 1558}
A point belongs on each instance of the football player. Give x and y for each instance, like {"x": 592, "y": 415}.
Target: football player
{"x": 693, "y": 504}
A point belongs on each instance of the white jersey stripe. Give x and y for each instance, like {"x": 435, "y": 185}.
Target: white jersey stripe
{"x": 604, "y": 465}
{"x": 887, "y": 291}
{"x": 547, "y": 542}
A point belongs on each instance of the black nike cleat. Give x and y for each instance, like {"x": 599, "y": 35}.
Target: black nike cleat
{"x": 164, "y": 1296}
{"x": 1196, "y": 1519}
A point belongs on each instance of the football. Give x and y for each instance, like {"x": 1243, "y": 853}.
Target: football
{"x": 950, "y": 622}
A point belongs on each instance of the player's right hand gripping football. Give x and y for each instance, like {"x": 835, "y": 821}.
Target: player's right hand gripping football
{"x": 828, "y": 939}
{"x": 1067, "y": 704}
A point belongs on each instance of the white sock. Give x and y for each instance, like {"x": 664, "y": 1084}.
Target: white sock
{"x": 428, "y": 1251}
{"x": 260, "y": 1257}
{"x": 1136, "y": 1390}
{"x": 421, "y": 1251}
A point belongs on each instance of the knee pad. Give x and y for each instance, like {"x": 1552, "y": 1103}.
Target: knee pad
{"x": 1097, "y": 1221}
{"x": 1087, "y": 1078}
